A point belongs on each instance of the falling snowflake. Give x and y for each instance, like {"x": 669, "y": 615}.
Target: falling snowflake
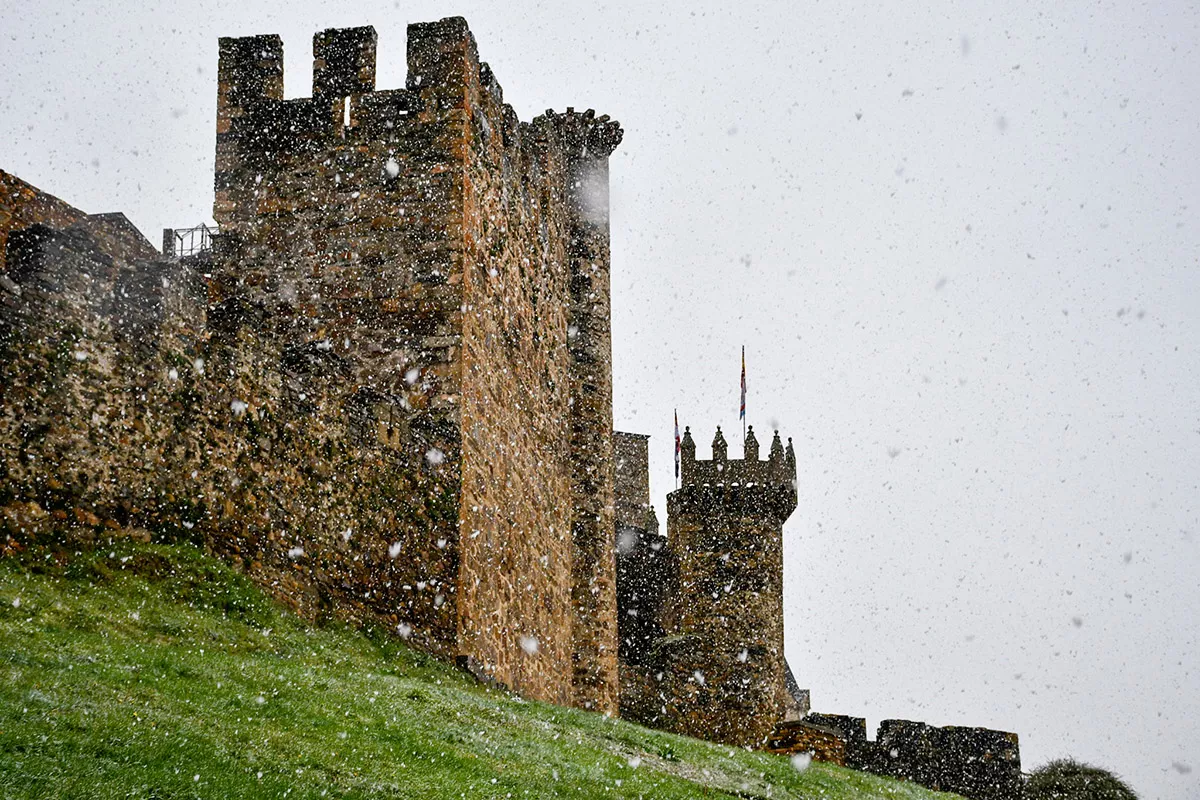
{"x": 394, "y": 549}
{"x": 627, "y": 540}
{"x": 435, "y": 456}
{"x": 801, "y": 761}
{"x": 530, "y": 645}
{"x": 296, "y": 552}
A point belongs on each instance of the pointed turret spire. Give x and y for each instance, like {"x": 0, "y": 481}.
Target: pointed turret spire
{"x": 687, "y": 456}
{"x": 776, "y": 455}
{"x": 750, "y": 452}
{"x": 720, "y": 447}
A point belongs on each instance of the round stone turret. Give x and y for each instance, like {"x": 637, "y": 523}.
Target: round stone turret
{"x": 723, "y": 668}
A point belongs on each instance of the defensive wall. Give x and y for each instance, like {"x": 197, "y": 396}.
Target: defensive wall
{"x": 978, "y": 763}
{"x": 386, "y": 393}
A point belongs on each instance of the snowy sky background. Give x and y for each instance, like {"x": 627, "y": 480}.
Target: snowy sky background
{"x": 959, "y": 244}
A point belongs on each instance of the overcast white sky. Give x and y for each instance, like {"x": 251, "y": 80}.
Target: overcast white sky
{"x": 959, "y": 243}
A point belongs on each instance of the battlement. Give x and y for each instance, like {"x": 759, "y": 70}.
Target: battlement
{"x": 444, "y": 73}
{"x": 978, "y": 763}
{"x": 250, "y": 105}
{"x": 580, "y": 133}
{"x": 778, "y": 470}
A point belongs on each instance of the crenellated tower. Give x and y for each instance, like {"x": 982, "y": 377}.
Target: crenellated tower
{"x": 449, "y": 264}
{"x": 724, "y": 673}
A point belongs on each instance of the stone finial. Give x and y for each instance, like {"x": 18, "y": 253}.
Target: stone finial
{"x": 687, "y": 456}
{"x": 791, "y": 457}
{"x": 720, "y": 447}
{"x": 687, "y": 447}
{"x": 776, "y": 455}
{"x": 751, "y": 445}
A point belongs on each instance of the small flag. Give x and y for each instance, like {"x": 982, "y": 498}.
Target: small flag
{"x": 677, "y": 444}
{"x": 742, "y": 413}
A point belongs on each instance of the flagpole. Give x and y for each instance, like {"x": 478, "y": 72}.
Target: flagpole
{"x": 742, "y": 412}
{"x": 676, "y": 448}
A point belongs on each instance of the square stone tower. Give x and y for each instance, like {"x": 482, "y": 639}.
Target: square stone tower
{"x": 437, "y": 272}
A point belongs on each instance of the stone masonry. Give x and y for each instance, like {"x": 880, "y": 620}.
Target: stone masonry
{"x": 978, "y": 763}
{"x": 452, "y": 257}
{"x": 705, "y": 656}
{"x": 390, "y": 397}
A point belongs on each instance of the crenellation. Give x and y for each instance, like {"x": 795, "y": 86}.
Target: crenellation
{"x": 978, "y": 763}
{"x": 249, "y": 70}
{"x": 343, "y": 63}
{"x": 778, "y": 471}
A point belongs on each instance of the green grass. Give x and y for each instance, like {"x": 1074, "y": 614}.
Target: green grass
{"x": 153, "y": 671}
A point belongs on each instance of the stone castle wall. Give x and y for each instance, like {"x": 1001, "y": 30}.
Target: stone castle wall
{"x": 131, "y": 404}
{"x": 376, "y": 395}
{"x": 645, "y": 571}
{"x": 23, "y": 205}
{"x": 823, "y": 744}
{"x": 432, "y": 241}
{"x": 631, "y": 482}
{"x": 978, "y": 763}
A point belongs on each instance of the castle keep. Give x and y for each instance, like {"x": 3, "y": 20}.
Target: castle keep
{"x": 456, "y": 261}
{"x": 384, "y": 392}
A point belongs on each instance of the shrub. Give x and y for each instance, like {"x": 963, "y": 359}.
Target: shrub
{"x": 1068, "y": 779}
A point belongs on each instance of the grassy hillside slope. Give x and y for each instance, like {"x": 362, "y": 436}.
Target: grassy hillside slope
{"x": 155, "y": 672}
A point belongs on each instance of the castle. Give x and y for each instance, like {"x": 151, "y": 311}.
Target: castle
{"x": 384, "y": 391}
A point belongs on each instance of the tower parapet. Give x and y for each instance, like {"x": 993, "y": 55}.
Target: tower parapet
{"x": 777, "y": 473}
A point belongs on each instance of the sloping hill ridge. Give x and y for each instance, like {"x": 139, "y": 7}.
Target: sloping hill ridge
{"x": 154, "y": 671}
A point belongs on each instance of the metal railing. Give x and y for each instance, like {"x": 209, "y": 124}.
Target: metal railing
{"x": 183, "y": 242}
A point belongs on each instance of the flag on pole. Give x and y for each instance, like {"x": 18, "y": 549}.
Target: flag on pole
{"x": 742, "y": 413}
{"x": 677, "y": 444}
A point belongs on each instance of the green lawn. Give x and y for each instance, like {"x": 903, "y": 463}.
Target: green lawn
{"x": 153, "y": 671}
